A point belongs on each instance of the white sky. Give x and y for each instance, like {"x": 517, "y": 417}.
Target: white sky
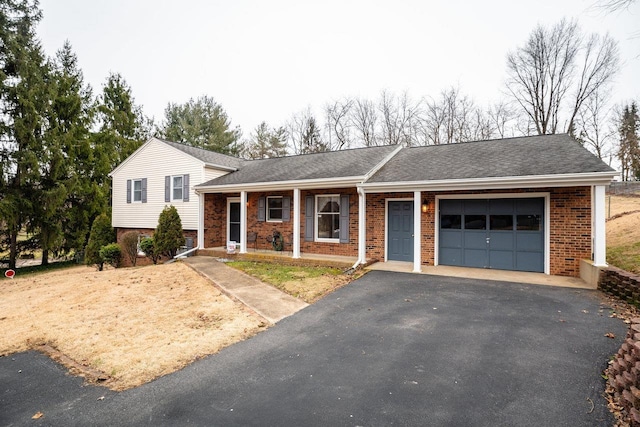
{"x": 265, "y": 60}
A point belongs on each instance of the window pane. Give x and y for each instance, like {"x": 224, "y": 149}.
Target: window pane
{"x": 475, "y": 222}
{"x": 451, "y": 222}
{"x": 137, "y": 190}
{"x": 528, "y": 222}
{"x": 329, "y": 204}
{"x": 274, "y": 208}
{"x": 501, "y": 222}
{"x": 328, "y": 226}
{"x": 177, "y": 188}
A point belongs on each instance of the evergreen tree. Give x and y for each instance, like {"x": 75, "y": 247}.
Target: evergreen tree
{"x": 629, "y": 148}
{"x": 101, "y": 235}
{"x": 24, "y": 95}
{"x": 201, "y": 123}
{"x": 168, "y": 236}
{"x": 311, "y": 141}
{"x": 266, "y": 143}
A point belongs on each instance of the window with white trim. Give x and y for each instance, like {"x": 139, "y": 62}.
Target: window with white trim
{"x": 137, "y": 190}
{"x": 274, "y": 208}
{"x": 176, "y": 187}
{"x": 328, "y": 218}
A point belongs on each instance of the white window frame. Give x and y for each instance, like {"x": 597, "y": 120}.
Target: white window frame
{"x": 173, "y": 188}
{"x": 268, "y": 210}
{"x": 317, "y": 217}
{"x": 133, "y": 190}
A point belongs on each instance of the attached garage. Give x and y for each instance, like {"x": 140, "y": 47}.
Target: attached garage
{"x": 504, "y": 233}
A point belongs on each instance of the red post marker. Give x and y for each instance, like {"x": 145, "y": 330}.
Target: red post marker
{"x": 10, "y": 274}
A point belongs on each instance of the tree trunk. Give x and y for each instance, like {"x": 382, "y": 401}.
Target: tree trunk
{"x": 45, "y": 257}
{"x": 13, "y": 248}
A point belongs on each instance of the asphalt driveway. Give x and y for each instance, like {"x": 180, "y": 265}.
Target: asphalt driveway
{"x": 388, "y": 349}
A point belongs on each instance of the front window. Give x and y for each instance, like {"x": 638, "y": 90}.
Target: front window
{"x": 328, "y": 218}
{"x": 274, "y": 209}
{"x": 137, "y": 190}
{"x": 176, "y": 187}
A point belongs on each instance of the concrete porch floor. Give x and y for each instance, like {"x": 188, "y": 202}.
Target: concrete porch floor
{"x": 484, "y": 274}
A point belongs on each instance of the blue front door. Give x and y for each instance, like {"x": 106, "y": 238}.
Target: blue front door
{"x": 400, "y": 231}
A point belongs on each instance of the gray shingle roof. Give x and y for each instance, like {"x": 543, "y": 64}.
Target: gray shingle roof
{"x": 525, "y": 156}
{"x": 333, "y": 164}
{"x": 209, "y": 157}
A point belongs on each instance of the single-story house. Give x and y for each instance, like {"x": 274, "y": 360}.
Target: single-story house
{"x": 162, "y": 173}
{"x": 527, "y": 204}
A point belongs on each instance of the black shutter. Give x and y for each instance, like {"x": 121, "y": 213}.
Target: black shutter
{"x": 167, "y": 188}
{"x": 185, "y": 188}
{"x": 128, "y": 191}
{"x": 261, "y": 209}
{"x": 143, "y": 187}
{"x": 286, "y": 209}
{"x": 309, "y": 213}
{"x": 344, "y": 218}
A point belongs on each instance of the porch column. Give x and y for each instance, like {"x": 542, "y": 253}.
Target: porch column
{"x": 296, "y": 223}
{"x": 362, "y": 226}
{"x": 200, "y": 243}
{"x": 243, "y": 222}
{"x": 417, "y": 234}
{"x": 599, "y": 226}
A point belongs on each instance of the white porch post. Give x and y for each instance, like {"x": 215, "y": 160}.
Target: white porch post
{"x": 243, "y": 222}
{"x": 200, "y": 243}
{"x": 296, "y": 223}
{"x": 362, "y": 226}
{"x": 417, "y": 233}
{"x": 599, "y": 227}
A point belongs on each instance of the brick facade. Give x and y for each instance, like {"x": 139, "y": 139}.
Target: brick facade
{"x": 569, "y": 228}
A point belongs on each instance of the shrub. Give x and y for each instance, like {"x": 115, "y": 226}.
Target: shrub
{"x": 101, "y": 235}
{"x": 168, "y": 236}
{"x": 129, "y": 245}
{"x": 111, "y": 254}
{"x": 147, "y": 246}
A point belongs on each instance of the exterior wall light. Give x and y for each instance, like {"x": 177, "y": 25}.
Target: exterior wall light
{"x": 425, "y": 205}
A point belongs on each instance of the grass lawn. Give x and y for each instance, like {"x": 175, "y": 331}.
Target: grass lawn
{"x": 307, "y": 283}
{"x": 623, "y": 233}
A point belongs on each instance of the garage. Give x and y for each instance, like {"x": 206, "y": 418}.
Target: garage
{"x": 503, "y": 234}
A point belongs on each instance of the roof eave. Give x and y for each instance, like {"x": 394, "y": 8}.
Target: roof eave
{"x": 305, "y": 184}
{"x": 220, "y": 167}
{"x": 531, "y": 181}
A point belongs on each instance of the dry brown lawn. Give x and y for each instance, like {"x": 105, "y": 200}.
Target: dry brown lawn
{"x": 623, "y": 233}
{"x": 132, "y": 324}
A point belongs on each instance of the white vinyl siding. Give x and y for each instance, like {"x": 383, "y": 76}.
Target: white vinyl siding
{"x": 155, "y": 160}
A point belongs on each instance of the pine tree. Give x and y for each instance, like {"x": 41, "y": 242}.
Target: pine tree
{"x": 101, "y": 235}
{"x": 24, "y": 95}
{"x": 629, "y": 149}
{"x": 201, "y": 123}
{"x": 311, "y": 140}
{"x": 266, "y": 143}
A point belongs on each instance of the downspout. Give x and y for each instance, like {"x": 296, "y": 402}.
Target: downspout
{"x": 362, "y": 227}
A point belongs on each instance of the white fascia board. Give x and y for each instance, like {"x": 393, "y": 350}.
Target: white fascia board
{"x": 220, "y": 167}
{"x": 319, "y": 183}
{"x": 534, "y": 181}
{"x": 131, "y": 156}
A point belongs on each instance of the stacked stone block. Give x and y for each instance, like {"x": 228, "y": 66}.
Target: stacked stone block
{"x": 624, "y": 374}
{"x": 621, "y": 284}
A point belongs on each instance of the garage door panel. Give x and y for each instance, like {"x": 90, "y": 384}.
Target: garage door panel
{"x": 529, "y": 242}
{"x": 451, "y": 256}
{"x": 475, "y": 257}
{"x": 530, "y": 261}
{"x": 475, "y": 240}
{"x": 502, "y": 260}
{"x": 450, "y": 239}
{"x": 501, "y": 241}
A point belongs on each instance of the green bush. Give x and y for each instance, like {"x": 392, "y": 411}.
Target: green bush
{"x": 101, "y": 235}
{"x": 129, "y": 245}
{"x": 168, "y": 236}
{"x": 147, "y": 246}
{"x": 111, "y": 254}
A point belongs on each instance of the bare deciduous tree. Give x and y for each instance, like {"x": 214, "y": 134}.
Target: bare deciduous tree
{"x": 556, "y": 70}
{"x": 591, "y": 125}
{"x": 363, "y": 118}
{"x": 338, "y": 124}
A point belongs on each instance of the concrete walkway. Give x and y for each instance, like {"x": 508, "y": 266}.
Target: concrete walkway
{"x": 267, "y": 301}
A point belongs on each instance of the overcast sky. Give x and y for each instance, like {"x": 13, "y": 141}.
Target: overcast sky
{"x": 267, "y": 59}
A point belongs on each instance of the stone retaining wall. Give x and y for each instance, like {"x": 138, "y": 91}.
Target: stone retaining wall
{"x": 620, "y": 284}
